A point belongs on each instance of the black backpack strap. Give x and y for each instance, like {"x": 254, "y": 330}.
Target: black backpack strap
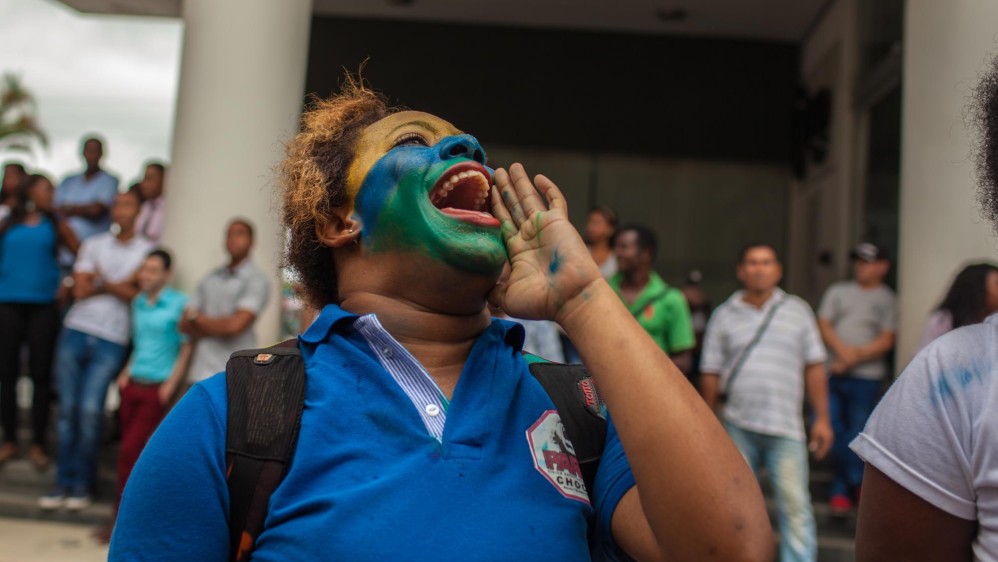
{"x": 581, "y": 410}
{"x": 266, "y": 395}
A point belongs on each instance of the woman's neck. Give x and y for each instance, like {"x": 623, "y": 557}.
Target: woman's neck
{"x": 440, "y": 341}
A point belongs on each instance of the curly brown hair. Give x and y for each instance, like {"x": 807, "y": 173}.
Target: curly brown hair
{"x": 312, "y": 180}
{"x": 984, "y": 116}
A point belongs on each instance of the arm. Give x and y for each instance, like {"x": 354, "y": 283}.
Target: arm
{"x": 643, "y": 390}
{"x": 877, "y": 348}
{"x": 84, "y": 285}
{"x": 710, "y": 389}
{"x": 683, "y": 361}
{"x": 93, "y": 210}
{"x": 895, "y": 524}
{"x": 191, "y": 441}
{"x": 123, "y": 290}
{"x": 125, "y": 376}
{"x": 67, "y": 237}
{"x": 831, "y": 339}
{"x": 816, "y": 387}
{"x": 169, "y": 387}
{"x": 221, "y": 326}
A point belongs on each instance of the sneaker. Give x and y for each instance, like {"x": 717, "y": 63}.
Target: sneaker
{"x": 53, "y": 500}
{"x": 78, "y": 501}
{"x": 840, "y": 504}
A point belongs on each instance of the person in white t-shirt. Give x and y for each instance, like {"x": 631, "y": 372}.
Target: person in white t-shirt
{"x": 93, "y": 346}
{"x": 930, "y": 489}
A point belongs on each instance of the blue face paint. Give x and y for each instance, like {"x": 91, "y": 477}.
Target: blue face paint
{"x": 394, "y": 206}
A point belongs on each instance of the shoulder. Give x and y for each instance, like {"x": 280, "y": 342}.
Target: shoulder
{"x": 886, "y": 293}
{"x": 252, "y": 271}
{"x": 675, "y": 301}
{"x": 797, "y": 304}
{"x": 724, "y": 309}
{"x": 143, "y": 244}
{"x": 175, "y": 297}
{"x": 98, "y": 242}
{"x": 70, "y": 179}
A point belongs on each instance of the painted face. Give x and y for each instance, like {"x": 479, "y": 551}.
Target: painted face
{"x": 420, "y": 185}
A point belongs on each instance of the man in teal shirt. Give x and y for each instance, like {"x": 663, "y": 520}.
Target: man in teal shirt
{"x": 660, "y": 309}
{"x": 158, "y": 364}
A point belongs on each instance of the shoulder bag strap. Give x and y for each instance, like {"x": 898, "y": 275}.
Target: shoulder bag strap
{"x": 751, "y": 345}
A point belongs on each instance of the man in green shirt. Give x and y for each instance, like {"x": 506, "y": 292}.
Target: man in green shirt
{"x": 660, "y": 309}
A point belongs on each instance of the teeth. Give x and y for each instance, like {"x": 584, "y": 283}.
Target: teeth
{"x": 447, "y": 186}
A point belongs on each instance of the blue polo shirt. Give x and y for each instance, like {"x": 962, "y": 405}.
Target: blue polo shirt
{"x": 29, "y": 272}
{"x": 155, "y": 336}
{"x": 369, "y": 481}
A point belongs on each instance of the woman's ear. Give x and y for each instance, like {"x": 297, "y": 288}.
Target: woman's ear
{"x": 342, "y": 228}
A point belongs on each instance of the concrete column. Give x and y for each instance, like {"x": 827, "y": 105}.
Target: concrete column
{"x": 241, "y": 87}
{"x": 946, "y": 45}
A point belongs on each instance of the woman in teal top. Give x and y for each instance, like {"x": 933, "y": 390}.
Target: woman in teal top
{"x": 29, "y": 278}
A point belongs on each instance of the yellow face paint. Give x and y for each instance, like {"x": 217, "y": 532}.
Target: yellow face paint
{"x": 379, "y": 137}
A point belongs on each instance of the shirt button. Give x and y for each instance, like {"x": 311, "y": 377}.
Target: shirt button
{"x": 432, "y": 410}
{"x": 386, "y": 351}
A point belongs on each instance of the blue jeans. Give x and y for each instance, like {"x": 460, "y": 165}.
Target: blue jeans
{"x": 850, "y": 402}
{"x": 85, "y": 365}
{"x": 785, "y": 461}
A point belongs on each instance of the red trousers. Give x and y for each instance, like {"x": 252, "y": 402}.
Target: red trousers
{"x": 141, "y": 412}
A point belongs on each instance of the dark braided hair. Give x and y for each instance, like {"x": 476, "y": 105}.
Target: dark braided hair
{"x": 984, "y": 117}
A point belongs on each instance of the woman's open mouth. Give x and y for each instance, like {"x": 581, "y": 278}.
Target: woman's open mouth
{"x": 462, "y": 193}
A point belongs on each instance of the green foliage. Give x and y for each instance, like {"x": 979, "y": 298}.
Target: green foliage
{"x": 19, "y": 129}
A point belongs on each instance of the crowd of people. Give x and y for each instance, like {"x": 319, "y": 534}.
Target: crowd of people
{"x": 86, "y": 301}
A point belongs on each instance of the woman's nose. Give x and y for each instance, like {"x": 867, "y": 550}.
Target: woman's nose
{"x": 461, "y": 146}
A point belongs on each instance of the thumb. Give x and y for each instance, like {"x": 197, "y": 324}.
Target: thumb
{"x": 497, "y": 296}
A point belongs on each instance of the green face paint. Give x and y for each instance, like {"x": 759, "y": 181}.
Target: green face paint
{"x": 394, "y": 204}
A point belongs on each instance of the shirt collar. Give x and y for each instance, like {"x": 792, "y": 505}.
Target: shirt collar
{"x": 330, "y": 316}
{"x": 777, "y": 296}
{"x": 333, "y": 316}
{"x": 163, "y": 295}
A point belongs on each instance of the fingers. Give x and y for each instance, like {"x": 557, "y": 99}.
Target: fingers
{"x": 551, "y": 192}
{"x": 501, "y": 212}
{"x": 509, "y": 198}
{"x": 525, "y": 191}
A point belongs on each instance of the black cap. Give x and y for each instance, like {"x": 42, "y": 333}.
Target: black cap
{"x": 868, "y": 252}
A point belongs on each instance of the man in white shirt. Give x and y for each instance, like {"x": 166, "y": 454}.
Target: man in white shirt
{"x": 221, "y": 312}
{"x": 763, "y": 349}
{"x": 92, "y": 348}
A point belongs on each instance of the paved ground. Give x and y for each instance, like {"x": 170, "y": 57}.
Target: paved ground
{"x": 24, "y": 540}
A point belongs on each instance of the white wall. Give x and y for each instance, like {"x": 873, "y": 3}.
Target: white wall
{"x": 945, "y": 47}
{"x": 241, "y": 87}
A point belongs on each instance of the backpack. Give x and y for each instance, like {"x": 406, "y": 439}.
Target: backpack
{"x": 266, "y": 397}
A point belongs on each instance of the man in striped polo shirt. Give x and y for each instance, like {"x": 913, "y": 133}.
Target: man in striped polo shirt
{"x": 763, "y": 349}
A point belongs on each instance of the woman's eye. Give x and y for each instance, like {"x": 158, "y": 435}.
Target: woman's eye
{"x": 410, "y": 139}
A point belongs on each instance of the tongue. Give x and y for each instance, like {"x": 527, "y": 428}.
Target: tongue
{"x": 473, "y": 217}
